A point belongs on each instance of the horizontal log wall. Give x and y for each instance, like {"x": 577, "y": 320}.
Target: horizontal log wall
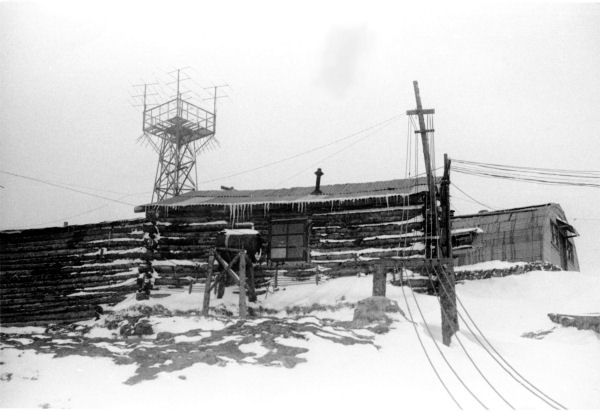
{"x": 342, "y": 233}
{"x": 62, "y": 273}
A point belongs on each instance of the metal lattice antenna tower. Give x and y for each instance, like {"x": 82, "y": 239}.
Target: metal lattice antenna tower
{"x": 178, "y": 130}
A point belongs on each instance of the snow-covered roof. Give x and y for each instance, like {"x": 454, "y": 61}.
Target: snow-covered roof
{"x": 334, "y": 192}
{"x": 460, "y": 231}
{"x": 485, "y": 213}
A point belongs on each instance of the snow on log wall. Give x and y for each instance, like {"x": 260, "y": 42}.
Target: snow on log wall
{"x": 342, "y": 233}
{"x": 62, "y": 273}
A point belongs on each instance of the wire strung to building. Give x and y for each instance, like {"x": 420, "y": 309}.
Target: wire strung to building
{"x": 431, "y": 364}
{"x": 501, "y": 361}
{"x": 521, "y": 380}
{"x": 471, "y": 197}
{"x": 50, "y": 183}
{"x": 405, "y": 249}
{"x": 373, "y": 131}
{"x": 579, "y": 178}
{"x": 458, "y": 339}
{"x": 364, "y": 130}
{"x": 447, "y": 316}
{"x": 536, "y": 169}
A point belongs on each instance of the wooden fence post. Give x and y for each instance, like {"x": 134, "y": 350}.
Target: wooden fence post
{"x": 242, "y": 276}
{"x": 207, "y": 284}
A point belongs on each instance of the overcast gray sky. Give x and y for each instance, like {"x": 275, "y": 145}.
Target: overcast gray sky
{"x": 511, "y": 83}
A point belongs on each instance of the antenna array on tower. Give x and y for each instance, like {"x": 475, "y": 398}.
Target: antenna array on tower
{"x": 178, "y": 130}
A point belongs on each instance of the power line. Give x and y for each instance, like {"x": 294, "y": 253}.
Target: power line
{"x": 405, "y": 229}
{"x": 79, "y": 214}
{"x": 581, "y": 178}
{"x": 437, "y": 374}
{"x": 442, "y": 353}
{"x": 458, "y": 299}
{"x": 335, "y": 153}
{"x": 533, "y": 169}
{"x": 100, "y": 190}
{"x": 446, "y": 314}
{"x": 302, "y": 153}
{"x": 447, "y": 317}
{"x": 472, "y": 198}
{"x": 541, "y": 393}
{"x": 524, "y": 178}
{"x": 65, "y": 187}
{"x": 531, "y": 388}
{"x": 440, "y": 350}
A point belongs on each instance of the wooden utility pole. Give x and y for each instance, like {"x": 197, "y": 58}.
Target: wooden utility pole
{"x": 446, "y": 279}
{"x": 446, "y": 289}
{"x": 431, "y": 249}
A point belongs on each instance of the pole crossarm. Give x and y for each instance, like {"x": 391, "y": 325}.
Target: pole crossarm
{"x": 420, "y": 111}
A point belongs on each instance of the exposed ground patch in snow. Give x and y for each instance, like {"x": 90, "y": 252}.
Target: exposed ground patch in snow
{"x": 182, "y": 324}
{"x": 375, "y": 371}
{"x": 22, "y": 330}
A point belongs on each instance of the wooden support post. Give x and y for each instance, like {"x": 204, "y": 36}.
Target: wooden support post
{"x": 447, "y": 291}
{"x": 251, "y": 283}
{"x": 276, "y": 280}
{"x": 242, "y": 283}
{"x": 215, "y": 282}
{"x": 227, "y": 267}
{"x": 379, "y": 278}
{"x": 207, "y": 284}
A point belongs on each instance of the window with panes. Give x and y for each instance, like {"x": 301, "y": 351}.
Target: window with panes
{"x": 288, "y": 240}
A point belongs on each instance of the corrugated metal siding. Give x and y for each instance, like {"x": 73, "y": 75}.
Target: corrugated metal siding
{"x": 510, "y": 236}
{"x": 514, "y": 235}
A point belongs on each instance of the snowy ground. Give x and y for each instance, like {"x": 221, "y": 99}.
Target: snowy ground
{"x": 304, "y": 353}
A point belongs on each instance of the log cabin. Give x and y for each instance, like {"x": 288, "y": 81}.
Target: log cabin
{"x": 62, "y": 273}
{"x": 306, "y": 229}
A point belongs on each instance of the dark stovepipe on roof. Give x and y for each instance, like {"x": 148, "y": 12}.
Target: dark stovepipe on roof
{"x": 318, "y": 173}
